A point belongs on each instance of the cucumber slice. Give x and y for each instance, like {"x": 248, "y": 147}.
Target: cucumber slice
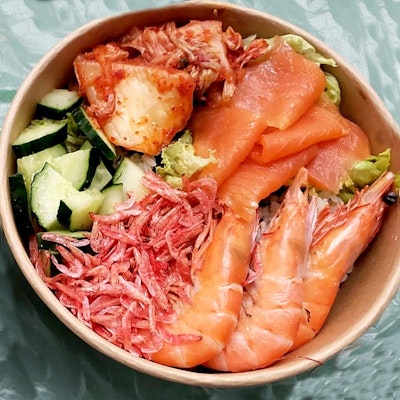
{"x": 40, "y": 135}
{"x": 48, "y": 188}
{"x": 129, "y": 174}
{"x": 78, "y": 167}
{"x": 86, "y": 145}
{"x": 113, "y": 195}
{"x": 20, "y": 205}
{"x": 102, "y": 176}
{"x": 74, "y": 210}
{"x": 93, "y": 132}
{"x": 30, "y": 165}
{"x": 57, "y": 103}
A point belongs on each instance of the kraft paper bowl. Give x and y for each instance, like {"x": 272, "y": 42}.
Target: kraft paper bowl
{"x": 362, "y": 298}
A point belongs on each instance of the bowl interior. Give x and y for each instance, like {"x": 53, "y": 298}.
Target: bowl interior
{"x": 363, "y": 296}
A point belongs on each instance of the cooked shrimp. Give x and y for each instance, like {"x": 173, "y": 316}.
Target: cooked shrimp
{"x": 213, "y": 309}
{"x": 339, "y": 239}
{"x": 271, "y": 307}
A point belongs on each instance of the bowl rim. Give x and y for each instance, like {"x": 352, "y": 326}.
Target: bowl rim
{"x": 291, "y": 367}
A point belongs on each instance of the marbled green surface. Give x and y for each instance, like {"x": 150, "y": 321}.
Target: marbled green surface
{"x": 41, "y": 359}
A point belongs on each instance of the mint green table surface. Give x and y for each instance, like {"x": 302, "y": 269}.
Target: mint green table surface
{"x": 41, "y": 359}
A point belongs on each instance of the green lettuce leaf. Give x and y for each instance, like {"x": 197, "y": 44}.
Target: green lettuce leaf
{"x": 301, "y": 46}
{"x": 365, "y": 172}
{"x": 75, "y": 138}
{"x": 178, "y": 159}
{"x": 397, "y": 180}
{"x": 333, "y": 89}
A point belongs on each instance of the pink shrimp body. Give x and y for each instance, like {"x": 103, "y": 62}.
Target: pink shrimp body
{"x": 271, "y": 307}
{"x": 339, "y": 239}
{"x": 214, "y": 305}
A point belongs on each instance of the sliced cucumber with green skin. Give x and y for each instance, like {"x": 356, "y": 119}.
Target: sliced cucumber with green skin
{"x": 93, "y": 132}
{"x": 86, "y": 145}
{"x": 130, "y": 174}
{"x": 33, "y": 161}
{"x": 57, "y": 103}
{"x": 102, "y": 176}
{"x": 79, "y": 167}
{"x": 40, "y": 135}
{"x": 113, "y": 195}
{"x": 20, "y": 205}
{"x": 74, "y": 210}
{"x": 47, "y": 190}
{"x": 30, "y": 165}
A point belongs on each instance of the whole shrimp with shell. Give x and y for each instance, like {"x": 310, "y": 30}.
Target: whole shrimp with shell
{"x": 271, "y": 306}
{"x": 340, "y": 237}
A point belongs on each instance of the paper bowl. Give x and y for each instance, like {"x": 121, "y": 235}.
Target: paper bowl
{"x": 361, "y": 299}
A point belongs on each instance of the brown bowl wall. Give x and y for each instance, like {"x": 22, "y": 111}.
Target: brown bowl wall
{"x": 364, "y": 295}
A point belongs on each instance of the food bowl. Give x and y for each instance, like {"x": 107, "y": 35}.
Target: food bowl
{"x": 366, "y": 292}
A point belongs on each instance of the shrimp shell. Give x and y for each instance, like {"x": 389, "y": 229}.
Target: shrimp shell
{"x": 213, "y": 309}
{"x": 339, "y": 239}
{"x": 271, "y": 308}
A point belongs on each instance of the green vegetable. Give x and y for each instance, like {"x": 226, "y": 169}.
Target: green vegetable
{"x": 129, "y": 174}
{"x": 91, "y": 128}
{"x": 397, "y": 180}
{"x": 39, "y": 135}
{"x": 30, "y": 165}
{"x": 74, "y": 209}
{"x": 301, "y": 46}
{"x": 75, "y": 138}
{"x": 178, "y": 160}
{"x": 20, "y": 205}
{"x": 333, "y": 89}
{"x": 365, "y": 172}
{"x": 57, "y": 103}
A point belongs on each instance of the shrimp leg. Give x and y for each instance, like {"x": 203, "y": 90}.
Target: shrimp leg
{"x": 271, "y": 307}
{"x": 214, "y": 306}
{"x": 339, "y": 239}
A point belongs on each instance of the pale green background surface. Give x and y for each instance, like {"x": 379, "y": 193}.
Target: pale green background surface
{"x": 41, "y": 359}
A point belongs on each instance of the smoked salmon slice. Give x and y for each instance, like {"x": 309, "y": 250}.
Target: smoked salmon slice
{"x": 330, "y": 168}
{"x": 252, "y": 182}
{"x": 316, "y": 125}
{"x": 229, "y": 133}
{"x": 281, "y": 87}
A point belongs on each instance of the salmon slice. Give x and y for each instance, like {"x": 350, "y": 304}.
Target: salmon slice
{"x": 252, "y": 182}
{"x": 229, "y": 133}
{"x": 316, "y": 125}
{"x": 281, "y": 87}
{"x": 330, "y": 168}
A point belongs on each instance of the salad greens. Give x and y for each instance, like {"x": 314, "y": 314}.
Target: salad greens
{"x": 365, "y": 172}
{"x": 332, "y": 88}
{"x": 178, "y": 159}
{"x": 75, "y": 138}
{"x": 301, "y": 46}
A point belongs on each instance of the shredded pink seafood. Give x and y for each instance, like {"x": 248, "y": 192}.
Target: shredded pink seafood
{"x": 128, "y": 287}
